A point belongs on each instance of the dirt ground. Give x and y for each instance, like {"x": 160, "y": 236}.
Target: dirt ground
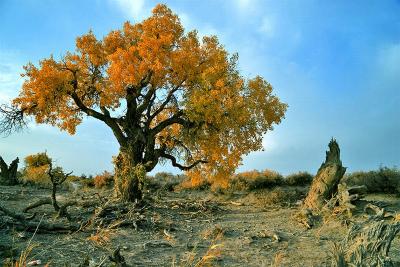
{"x": 186, "y": 228}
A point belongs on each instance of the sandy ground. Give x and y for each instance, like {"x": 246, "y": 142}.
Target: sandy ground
{"x": 183, "y": 229}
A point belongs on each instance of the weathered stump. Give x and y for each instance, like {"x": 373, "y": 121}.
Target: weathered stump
{"x": 325, "y": 183}
{"x": 8, "y": 174}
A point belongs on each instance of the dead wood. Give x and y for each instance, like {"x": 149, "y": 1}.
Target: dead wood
{"x": 325, "y": 183}
{"x": 344, "y": 199}
{"x": 15, "y": 215}
{"x": 57, "y": 178}
{"x": 306, "y": 218}
{"x": 118, "y": 259}
{"x": 40, "y": 202}
{"x": 62, "y": 210}
{"x": 23, "y": 222}
{"x": 367, "y": 243}
{"x": 8, "y": 174}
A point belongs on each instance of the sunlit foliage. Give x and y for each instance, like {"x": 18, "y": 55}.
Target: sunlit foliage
{"x": 103, "y": 180}
{"x": 36, "y": 167}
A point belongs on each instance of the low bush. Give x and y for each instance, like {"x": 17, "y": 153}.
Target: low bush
{"x": 299, "y": 179}
{"x": 278, "y": 196}
{"x": 384, "y": 180}
{"x": 105, "y": 179}
{"x": 35, "y": 170}
{"x": 88, "y": 182}
{"x": 166, "y": 181}
{"x": 253, "y": 180}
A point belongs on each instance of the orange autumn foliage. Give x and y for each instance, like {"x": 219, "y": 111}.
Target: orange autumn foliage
{"x": 165, "y": 92}
{"x": 103, "y": 180}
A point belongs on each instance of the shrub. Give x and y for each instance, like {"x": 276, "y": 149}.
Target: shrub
{"x": 36, "y": 167}
{"x": 253, "y": 180}
{"x": 279, "y": 196}
{"x": 299, "y": 179}
{"x": 88, "y": 182}
{"x": 384, "y": 180}
{"x": 104, "y": 179}
{"x": 37, "y": 160}
{"x": 195, "y": 181}
{"x": 164, "y": 181}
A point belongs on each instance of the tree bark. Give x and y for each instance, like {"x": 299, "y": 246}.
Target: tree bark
{"x": 129, "y": 177}
{"x": 325, "y": 183}
{"x": 53, "y": 197}
{"x": 8, "y": 174}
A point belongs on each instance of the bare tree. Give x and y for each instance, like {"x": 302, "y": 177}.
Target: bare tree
{"x": 57, "y": 177}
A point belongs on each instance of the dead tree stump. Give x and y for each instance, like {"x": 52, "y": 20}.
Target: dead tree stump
{"x": 325, "y": 183}
{"x": 8, "y": 174}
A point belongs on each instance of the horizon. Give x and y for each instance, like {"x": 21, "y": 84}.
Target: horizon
{"x": 336, "y": 65}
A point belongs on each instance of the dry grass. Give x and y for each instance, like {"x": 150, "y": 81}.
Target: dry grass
{"x": 23, "y": 259}
{"x": 278, "y": 259}
{"x": 102, "y": 237}
{"x": 213, "y": 252}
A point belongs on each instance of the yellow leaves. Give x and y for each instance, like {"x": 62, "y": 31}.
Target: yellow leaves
{"x": 227, "y": 114}
{"x": 113, "y": 41}
{"x": 91, "y": 49}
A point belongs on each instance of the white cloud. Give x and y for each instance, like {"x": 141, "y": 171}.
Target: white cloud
{"x": 246, "y": 7}
{"x": 388, "y": 61}
{"x": 134, "y": 9}
{"x": 243, "y": 4}
{"x": 10, "y": 79}
{"x": 268, "y": 26}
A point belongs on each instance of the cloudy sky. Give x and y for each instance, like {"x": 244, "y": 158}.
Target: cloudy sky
{"x": 336, "y": 63}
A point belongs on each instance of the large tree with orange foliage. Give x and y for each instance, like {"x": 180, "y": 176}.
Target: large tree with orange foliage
{"x": 165, "y": 94}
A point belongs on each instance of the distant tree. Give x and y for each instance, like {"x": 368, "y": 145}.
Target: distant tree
{"x": 36, "y": 168}
{"x": 165, "y": 94}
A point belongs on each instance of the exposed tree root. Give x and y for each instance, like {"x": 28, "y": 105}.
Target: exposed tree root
{"x": 62, "y": 210}
{"x": 343, "y": 202}
{"x": 23, "y": 222}
{"x": 40, "y": 202}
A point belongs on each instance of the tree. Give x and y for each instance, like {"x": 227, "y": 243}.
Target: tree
{"x": 165, "y": 94}
{"x": 36, "y": 168}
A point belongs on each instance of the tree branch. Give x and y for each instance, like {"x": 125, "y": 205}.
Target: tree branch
{"x": 181, "y": 167}
{"x": 111, "y": 122}
{"x": 149, "y": 95}
{"x": 167, "y": 99}
{"x": 176, "y": 118}
{"x": 12, "y": 119}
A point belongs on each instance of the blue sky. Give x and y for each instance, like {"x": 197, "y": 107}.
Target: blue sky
{"x": 336, "y": 63}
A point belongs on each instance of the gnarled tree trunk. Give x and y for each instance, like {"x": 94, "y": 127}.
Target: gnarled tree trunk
{"x": 8, "y": 175}
{"x": 325, "y": 183}
{"x": 129, "y": 177}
